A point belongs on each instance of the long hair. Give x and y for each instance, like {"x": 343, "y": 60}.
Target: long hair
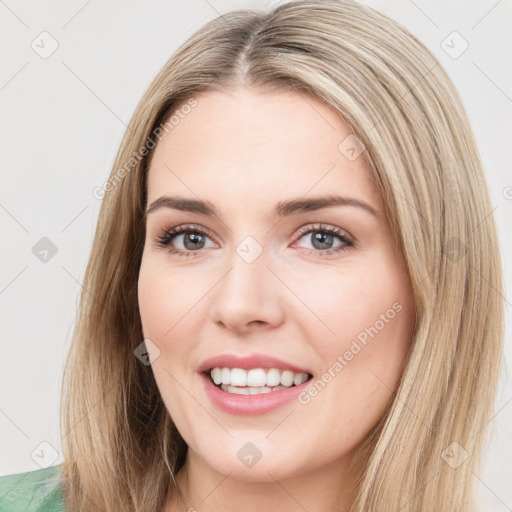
{"x": 121, "y": 448}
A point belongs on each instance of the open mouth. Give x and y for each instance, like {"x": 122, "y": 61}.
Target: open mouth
{"x": 255, "y": 381}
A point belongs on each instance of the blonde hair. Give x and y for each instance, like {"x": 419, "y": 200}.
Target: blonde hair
{"x": 121, "y": 448}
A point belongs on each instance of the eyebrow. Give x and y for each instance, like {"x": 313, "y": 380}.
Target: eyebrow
{"x": 282, "y": 208}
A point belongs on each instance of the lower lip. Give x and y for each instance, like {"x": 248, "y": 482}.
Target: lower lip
{"x": 250, "y": 405}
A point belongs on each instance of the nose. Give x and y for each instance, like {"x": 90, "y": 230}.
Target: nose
{"x": 248, "y": 297}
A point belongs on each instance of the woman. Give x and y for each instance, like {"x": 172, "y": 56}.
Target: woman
{"x": 283, "y": 304}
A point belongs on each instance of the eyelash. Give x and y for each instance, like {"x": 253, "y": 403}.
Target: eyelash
{"x": 164, "y": 240}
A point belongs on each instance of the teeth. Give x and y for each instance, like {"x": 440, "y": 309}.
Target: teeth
{"x": 226, "y": 376}
{"x": 250, "y": 390}
{"x": 298, "y": 378}
{"x": 287, "y": 378}
{"x": 238, "y": 377}
{"x": 216, "y": 375}
{"x": 273, "y": 377}
{"x": 256, "y": 379}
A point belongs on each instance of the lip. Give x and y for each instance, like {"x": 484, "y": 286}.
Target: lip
{"x": 250, "y": 405}
{"x": 248, "y": 363}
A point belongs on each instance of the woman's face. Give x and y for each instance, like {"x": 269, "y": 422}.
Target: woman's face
{"x": 276, "y": 271}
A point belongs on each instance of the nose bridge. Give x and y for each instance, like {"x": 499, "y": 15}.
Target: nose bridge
{"x": 248, "y": 292}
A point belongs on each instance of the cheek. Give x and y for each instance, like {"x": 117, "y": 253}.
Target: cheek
{"x": 357, "y": 302}
{"x": 168, "y": 300}
{"x": 367, "y": 318}
{"x": 168, "y": 305}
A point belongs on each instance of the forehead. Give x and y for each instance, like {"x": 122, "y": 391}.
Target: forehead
{"x": 245, "y": 146}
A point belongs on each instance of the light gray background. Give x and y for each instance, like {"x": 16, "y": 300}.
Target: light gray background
{"x": 63, "y": 118}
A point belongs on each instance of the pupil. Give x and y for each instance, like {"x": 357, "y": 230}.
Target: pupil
{"x": 195, "y": 239}
{"x": 324, "y": 240}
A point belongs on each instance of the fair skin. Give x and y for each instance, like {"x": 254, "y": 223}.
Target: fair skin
{"x": 245, "y": 152}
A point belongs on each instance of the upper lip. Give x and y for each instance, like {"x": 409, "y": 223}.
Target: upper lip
{"x": 248, "y": 363}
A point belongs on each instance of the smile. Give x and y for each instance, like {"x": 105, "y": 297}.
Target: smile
{"x": 252, "y": 384}
{"x": 255, "y": 381}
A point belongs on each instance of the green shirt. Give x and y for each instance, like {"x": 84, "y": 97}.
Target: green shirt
{"x": 33, "y": 491}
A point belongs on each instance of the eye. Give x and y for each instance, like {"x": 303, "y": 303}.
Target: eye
{"x": 323, "y": 239}
{"x": 193, "y": 239}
